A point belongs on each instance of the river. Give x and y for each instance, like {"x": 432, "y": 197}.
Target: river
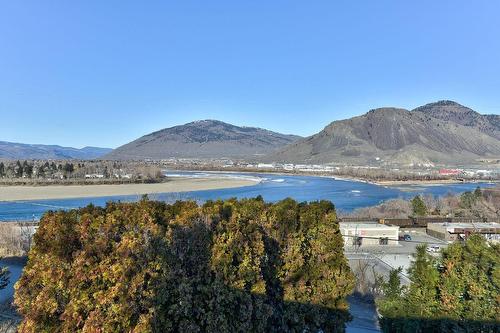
{"x": 345, "y": 194}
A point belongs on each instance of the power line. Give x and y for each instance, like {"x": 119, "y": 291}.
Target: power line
{"x": 390, "y": 239}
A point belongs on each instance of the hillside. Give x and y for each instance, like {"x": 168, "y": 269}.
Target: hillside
{"x": 203, "y": 139}
{"x": 456, "y": 113}
{"x": 442, "y": 132}
{"x": 14, "y": 151}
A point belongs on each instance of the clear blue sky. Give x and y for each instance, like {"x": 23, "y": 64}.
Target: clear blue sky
{"x": 103, "y": 73}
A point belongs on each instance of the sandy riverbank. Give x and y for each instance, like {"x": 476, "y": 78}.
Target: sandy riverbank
{"x": 12, "y": 193}
{"x": 425, "y": 182}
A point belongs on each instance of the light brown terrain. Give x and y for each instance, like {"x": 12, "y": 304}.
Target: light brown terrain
{"x": 12, "y": 193}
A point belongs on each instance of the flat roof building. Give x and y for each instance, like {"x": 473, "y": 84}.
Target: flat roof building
{"x": 461, "y": 231}
{"x": 368, "y": 234}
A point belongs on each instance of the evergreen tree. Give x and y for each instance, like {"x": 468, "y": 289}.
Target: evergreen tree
{"x": 41, "y": 171}
{"x": 4, "y": 277}
{"x": 418, "y": 206}
{"x": 421, "y": 298}
{"x": 478, "y": 193}
{"x": 392, "y": 303}
{"x": 458, "y": 292}
{"x": 68, "y": 168}
{"x": 2, "y": 169}
{"x": 18, "y": 169}
{"x": 106, "y": 172}
{"x": 27, "y": 169}
{"x": 227, "y": 266}
{"x": 468, "y": 199}
{"x": 393, "y": 289}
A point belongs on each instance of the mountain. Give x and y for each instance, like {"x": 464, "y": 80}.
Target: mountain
{"x": 203, "y": 139}
{"x": 11, "y": 150}
{"x": 442, "y": 132}
{"x": 454, "y": 112}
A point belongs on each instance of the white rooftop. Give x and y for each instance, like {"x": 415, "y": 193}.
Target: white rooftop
{"x": 450, "y": 227}
{"x": 366, "y": 225}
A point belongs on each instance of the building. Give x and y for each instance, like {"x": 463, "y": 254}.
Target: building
{"x": 368, "y": 234}
{"x": 461, "y": 231}
{"x": 450, "y": 172}
{"x": 265, "y": 166}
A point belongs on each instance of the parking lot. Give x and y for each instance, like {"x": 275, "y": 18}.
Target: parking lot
{"x": 383, "y": 258}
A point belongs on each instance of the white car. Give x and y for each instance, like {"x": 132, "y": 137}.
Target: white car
{"x": 433, "y": 249}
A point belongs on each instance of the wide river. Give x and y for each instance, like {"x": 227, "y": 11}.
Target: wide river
{"x": 345, "y": 194}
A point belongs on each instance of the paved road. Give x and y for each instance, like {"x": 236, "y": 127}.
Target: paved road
{"x": 15, "y": 269}
{"x": 364, "y": 314}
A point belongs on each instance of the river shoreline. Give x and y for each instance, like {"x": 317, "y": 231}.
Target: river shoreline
{"x": 21, "y": 193}
{"x": 393, "y": 182}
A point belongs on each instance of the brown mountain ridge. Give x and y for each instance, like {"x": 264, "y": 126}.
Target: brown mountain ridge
{"x": 203, "y": 139}
{"x": 442, "y": 132}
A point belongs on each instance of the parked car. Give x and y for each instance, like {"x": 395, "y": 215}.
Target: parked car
{"x": 433, "y": 249}
{"x": 405, "y": 237}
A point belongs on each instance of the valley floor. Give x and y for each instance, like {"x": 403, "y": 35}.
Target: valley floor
{"x": 13, "y": 193}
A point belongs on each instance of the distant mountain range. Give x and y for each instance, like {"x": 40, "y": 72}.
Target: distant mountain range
{"x": 441, "y": 132}
{"x": 204, "y": 139}
{"x": 11, "y": 150}
{"x": 444, "y": 132}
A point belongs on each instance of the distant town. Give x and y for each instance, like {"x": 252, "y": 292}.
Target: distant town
{"x": 368, "y": 173}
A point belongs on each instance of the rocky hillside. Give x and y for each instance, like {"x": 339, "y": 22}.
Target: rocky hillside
{"x": 203, "y": 139}
{"x": 11, "y": 151}
{"x": 456, "y": 113}
{"x": 442, "y": 132}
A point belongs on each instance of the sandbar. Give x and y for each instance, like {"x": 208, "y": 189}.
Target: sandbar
{"x": 15, "y": 193}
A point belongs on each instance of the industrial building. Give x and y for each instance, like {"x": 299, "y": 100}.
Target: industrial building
{"x": 461, "y": 231}
{"x": 368, "y": 234}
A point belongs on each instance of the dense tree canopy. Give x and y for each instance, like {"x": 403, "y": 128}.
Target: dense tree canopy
{"x": 457, "y": 292}
{"x": 225, "y": 266}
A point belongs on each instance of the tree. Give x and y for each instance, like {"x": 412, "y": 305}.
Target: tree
{"x": 418, "y": 206}
{"x": 227, "y": 266}
{"x": 457, "y": 292}
{"x": 478, "y": 193}
{"x": 421, "y": 298}
{"x": 391, "y": 304}
{"x": 2, "y": 170}
{"x": 68, "y": 168}
{"x": 41, "y": 171}
{"x": 27, "y": 169}
{"x": 393, "y": 289}
{"x": 106, "y": 172}
{"x": 18, "y": 169}
{"x": 468, "y": 199}
{"x": 4, "y": 277}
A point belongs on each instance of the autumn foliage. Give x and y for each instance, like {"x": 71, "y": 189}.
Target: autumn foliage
{"x": 225, "y": 266}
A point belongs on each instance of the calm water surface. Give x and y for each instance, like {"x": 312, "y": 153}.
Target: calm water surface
{"x": 345, "y": 194}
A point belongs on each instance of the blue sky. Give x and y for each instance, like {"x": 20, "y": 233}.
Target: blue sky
{"x": 103, "y": 73}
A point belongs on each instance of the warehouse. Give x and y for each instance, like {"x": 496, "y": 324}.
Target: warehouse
{"x": 368, "y": 234}
{"x": 461, "y": 231}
